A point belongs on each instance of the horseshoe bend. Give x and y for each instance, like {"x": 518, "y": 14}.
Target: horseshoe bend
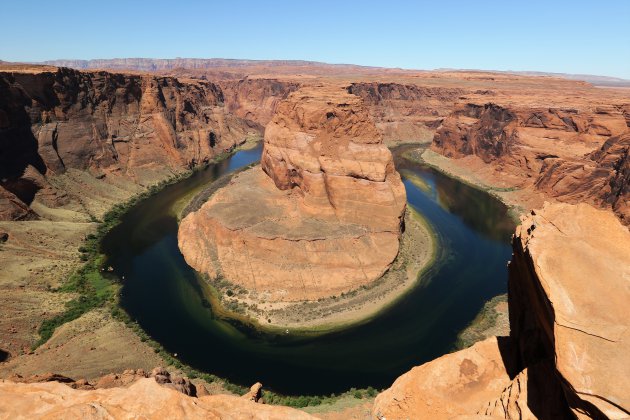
{"x": 326, "y": 194}
{"x": 284, "y": 239}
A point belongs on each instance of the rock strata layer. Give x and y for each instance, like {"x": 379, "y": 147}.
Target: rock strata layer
{"x": 571, "y": 154}
{"x": 329, "y": 197}
{"x": 112, "y": 127}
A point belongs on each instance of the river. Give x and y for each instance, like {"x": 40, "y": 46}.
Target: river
{"x": 163, "y": 293}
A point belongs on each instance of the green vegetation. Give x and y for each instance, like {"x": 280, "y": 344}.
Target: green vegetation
{"x": 89, "y": 283}
{"x": 93, "y": 286}
{"x": 484, "y": 321}
{"x": 302, "y": 401}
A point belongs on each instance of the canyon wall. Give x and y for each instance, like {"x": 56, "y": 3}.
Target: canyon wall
{"x": 602, "y": 177}
{"x": 406, "y": 112}
{"x": 329, "y": 197}
{"x": 566, "y": 356}
{"x": 571, "y": 154}
{"x": 112, "y": 126}
{"x": 256, "y": 100}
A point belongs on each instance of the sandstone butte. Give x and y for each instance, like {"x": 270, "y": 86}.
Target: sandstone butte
{"x": 567, "y": 354}
{"x": 327, "y": 195}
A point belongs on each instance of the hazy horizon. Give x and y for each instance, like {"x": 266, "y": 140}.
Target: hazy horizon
{"x": 560, "y": 37}
{"x": 445, "y": 69}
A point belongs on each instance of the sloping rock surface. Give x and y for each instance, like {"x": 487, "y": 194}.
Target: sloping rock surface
{"x": 454, "y": 384}
{"x": 567, "y": 354}
{"x": 568, "y": 296}
{"x": 144, "y": 399}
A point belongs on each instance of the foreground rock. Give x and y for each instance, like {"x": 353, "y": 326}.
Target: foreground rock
{"x": 329, "y": 198}
{"x": 451, "y": 385}
{"x": 567, "y": 352}
{"x": 568, "y": 294}
{"x": 145, "y": 398}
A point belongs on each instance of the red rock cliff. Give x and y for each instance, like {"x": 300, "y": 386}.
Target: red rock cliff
{"x": 256, "y": 100}
{"x": 571, "y": 154}
{"x": 405, "y": 112}
{"x": 135, "y": 127}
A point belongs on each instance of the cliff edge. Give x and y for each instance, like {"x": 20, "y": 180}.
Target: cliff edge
{"x": 566, "y": 357}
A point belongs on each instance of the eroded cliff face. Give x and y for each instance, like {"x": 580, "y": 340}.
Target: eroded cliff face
{"x": 405, "y": 112}
{"x": 566, "y": 356}
{"x": 256, "y": 100}
{"x": 329, "y": 197}
{"x": 323, "y": 143}
{"x": 113, "y": 126}
{"x": 568, "y": 294}
{"x": 524, "y": 136}
{"x": 573, "y": 155}
{"x": 602, "y": 177}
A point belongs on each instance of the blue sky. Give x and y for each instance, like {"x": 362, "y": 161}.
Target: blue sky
{"x": 560, "y": 36}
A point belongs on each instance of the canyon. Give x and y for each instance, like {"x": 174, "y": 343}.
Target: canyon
{"x": 75, "y": 142}
{"x": 64, "y": 129}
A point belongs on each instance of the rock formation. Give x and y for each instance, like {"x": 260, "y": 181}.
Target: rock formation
{"x": 329, "y": 197}
{"x": 406, "y": 112}
{"x": 573, "y": 155}
{"x": 568, "y": 294}
{"x": 451, "y": 385}
{"x": 327, "y": 170}
{"x": 256, "y": 100}
{"x": 131, "y": 127}
{"x": 603, "y": 177}
{"x": 569, "y": 331}
{"x": 524, "y": 135}
{"x": 144, "y": 398}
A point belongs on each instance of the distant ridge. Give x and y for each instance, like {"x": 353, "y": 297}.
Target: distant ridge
{"x": 589, "y": 78}
{"x": 156, "y": 64}
{"x": 168, "y": 64}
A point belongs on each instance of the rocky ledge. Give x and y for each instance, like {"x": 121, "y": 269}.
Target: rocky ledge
{"x": 132, "y": 395}
{"x": 567, "y": 354}
{"x": 328, "y": 196}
